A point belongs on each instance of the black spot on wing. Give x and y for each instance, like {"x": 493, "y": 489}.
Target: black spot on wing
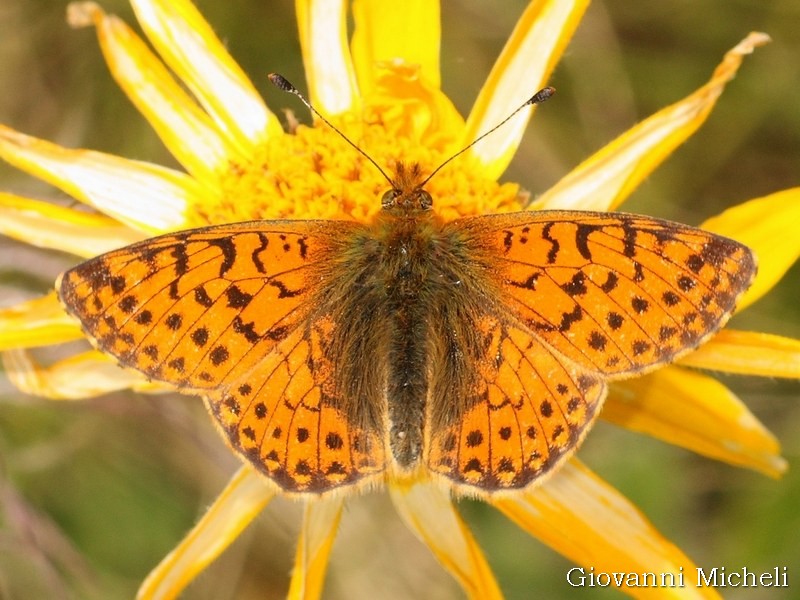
{"x": 611, "y": 282}
{"x": 303, "y": 246}
{"x": 237, "y": 298}
{"x": 200, "y": 337}
{"x": 283, "y": 291}
{"x": 255, "y": 256}
{"x": 202, "y": 298}
{"x": 555, "y": 246}
{"x": 181, "y": 263}
{"x": 144, "y": 317}
{"x": 629, "y": 239}
{"x": 117, "y": 284}
{"x": 245, "y": 329}
{"x": 567, "y": 319}
{"x": 582, "y": 239}
{"x": 576, "y": 286}
{"x": 474, "y": 438}
{"x": 174, "y": 321}
{"x": 228, "y": 249}
{"x": 527, "y": 284}
{"x": 128, "y": 304}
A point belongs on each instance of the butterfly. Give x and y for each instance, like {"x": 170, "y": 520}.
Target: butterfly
{"x": 476, "y": 351}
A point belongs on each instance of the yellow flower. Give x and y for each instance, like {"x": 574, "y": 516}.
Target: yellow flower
{"x": 383, "y": 89}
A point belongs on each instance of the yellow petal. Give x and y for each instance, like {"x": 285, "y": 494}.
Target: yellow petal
{"x": 243, "y": 498}
{"x": 320, "y": 524}
{"x": 188, "y": 45}
{"x": 387, "y": 31}
{"x": 580, "y": 516}
{"x": 37, "y": 322}
{"x": 697, "y": 412}
{"x": 143, "y": 196}
{"x": 524, "y": 66}
{"x": 84, "y": 375}
{"x": 748, "y": 353}
{"x": 187, "y": 131}
{"x": 46, "y": 225}
{"x": 429, "y": 513}
{"x": 606, "y": 179}
{"x": 768, "y": 226}
{"x": 329, "y": 68}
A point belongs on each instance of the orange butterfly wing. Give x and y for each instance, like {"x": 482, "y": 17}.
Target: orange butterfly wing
{"x": 577, "y": 299}
{"x": 613, "y": 292}
{"x": 228, "y": 312}
{"x": 530, "y": 410}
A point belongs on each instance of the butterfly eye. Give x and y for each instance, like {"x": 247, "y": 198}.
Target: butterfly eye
{"x": 425, "y": 200}
{"x": 389, "y": 197}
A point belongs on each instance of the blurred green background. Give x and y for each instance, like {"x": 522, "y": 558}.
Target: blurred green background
{"x": 93, "y": 494}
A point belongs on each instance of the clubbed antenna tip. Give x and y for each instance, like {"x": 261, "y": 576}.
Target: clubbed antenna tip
{"x": 280, "y": 82}
{"x": 537, "y": 98}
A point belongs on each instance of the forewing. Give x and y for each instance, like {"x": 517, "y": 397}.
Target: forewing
{"x": 230, "y": 312}
{"x": 615, "y": 293}
{"x": 183, "y": 308}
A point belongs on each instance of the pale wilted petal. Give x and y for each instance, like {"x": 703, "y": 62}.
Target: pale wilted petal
{"x": 326, "y": 58}
{"x": 606, "y": 179}
{"x": 144, "y": 196}
{"x": 427, "y": 510}
{"x": 240, "y": 502}
{"x": 697, "y": 412}
{"x": 186, "y": 42}
{"x": 186, "y": 130}
{"x": 320, "y": 524}
{"x": 84, "y": 375}
{"x": 529, "y": 57}
{"x": 580, "y": 516}
{"x": 38, "y": 322}
{"x": 54, "y": 227}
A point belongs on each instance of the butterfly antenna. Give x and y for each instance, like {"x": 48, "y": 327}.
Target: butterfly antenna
{"x": 537, "y": 98}
{"x": 280, "y": 82}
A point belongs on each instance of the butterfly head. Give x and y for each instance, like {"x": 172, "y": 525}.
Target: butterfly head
{"x": 407, "y": 196}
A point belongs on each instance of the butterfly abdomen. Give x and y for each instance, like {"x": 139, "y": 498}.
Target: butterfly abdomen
{"x": 427, "y": 298}
{"x": 379, "y": 298}
{"x": 407, "y": 255}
